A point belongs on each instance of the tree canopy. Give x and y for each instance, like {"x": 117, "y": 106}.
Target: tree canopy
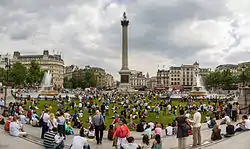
{"x": 224, "y": 79}
{"x": 85, "y": 78}
{"x": 35, "y": 74}
{"x": 18, "y": 73}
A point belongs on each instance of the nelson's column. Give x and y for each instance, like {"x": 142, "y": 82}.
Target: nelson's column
{"x": 124, "y": 72}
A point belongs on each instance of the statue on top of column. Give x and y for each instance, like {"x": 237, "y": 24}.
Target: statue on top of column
{"x": 124, "y": 16}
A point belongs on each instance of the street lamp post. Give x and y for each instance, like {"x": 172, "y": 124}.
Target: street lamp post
{"x": 7, "y": 66}
{"x": 244, "y": 83}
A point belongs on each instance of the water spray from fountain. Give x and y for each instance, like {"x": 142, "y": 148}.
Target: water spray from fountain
{"x": 199, "y": 83}
{"x": 46, "y": 82}
{"x": 199, "y": 89}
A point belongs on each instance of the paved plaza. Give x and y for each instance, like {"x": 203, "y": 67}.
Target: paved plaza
{"x": 8, "y": 142}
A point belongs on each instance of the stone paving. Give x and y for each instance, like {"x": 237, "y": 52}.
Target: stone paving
{"x": 168, "y": 142}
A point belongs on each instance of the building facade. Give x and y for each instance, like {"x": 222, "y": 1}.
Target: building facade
{"x": 162, "y": 78}
{"x": 138, "y": 79}
{"x": 4, "y": 59}
{"x": 47, "y": 62}
{"x": 69, "y": 70}
{"x": 183, "y": 76}
{"x": 153, "y": 82}
{"x": 110, "y": 81}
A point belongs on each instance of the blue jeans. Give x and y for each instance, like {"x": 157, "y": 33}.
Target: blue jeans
{"x": 59, "y": 146}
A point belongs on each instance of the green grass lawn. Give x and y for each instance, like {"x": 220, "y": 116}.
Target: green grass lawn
{"x": 165, "y": 119}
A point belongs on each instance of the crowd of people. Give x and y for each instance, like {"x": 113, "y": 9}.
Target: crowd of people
{"x": 186, "y": 120}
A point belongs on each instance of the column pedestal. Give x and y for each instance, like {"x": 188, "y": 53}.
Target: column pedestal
{"x": 244, "y": 94}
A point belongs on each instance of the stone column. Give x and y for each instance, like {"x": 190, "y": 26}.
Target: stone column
{"x": 124, "y": 23}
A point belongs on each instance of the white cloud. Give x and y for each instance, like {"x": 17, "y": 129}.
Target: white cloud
{"x": 162, "y": 32}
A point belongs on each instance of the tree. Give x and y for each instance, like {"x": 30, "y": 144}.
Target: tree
{"x": 35, "y": 74}
{"x": 67, "y": 83}
{"x": 3, "y": 74}
{"x": 212, "y": 79}
{"x": 18, "y": 73}
{"x": 89, "y": 78}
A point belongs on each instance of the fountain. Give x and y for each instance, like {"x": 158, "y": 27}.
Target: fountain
{"x": 46, "y": 86}
{"x": 199, "y": 89}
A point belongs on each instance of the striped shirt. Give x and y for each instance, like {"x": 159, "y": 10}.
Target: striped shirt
{"x": 49, "y": 139}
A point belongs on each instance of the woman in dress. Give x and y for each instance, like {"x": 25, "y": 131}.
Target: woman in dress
{"x": 183, "y": 126}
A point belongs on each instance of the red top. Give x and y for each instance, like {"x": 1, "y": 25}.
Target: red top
{"x": 7, "y": 126}
{"x": 122, "y": 131}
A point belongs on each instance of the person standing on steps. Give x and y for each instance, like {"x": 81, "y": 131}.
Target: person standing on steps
{"x": 98, "y": 122}
{"x": 196, "y": 127}
{"x": 45, "y": 119}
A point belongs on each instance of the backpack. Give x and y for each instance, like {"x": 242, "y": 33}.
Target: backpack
{"x": 29, "y": 114}
{"x": 41, "y": 120}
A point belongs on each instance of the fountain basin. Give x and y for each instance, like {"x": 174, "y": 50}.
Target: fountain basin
{"x": 198, "y": 91}
{"x": 48, "y": 93}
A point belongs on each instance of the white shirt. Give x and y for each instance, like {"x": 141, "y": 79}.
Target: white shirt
{"x": 169, "y": 107}
{"x": 80, "y": 105}
{"x": 52, "y": 123}
{"x": 169, "y": 130}
{"x": 78, "y": 142}
{"x": 197, "y": 119}
{"x": 227, "y": 118}
{"x": 247, "y": 124}
{"x": 14, "y": 129}
{"x": 46, "y": 117}
{"x": 151, "y": 124}
{"x": 1, "y": 102}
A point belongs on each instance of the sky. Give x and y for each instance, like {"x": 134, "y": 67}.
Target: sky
{"x": 162, "y": 33}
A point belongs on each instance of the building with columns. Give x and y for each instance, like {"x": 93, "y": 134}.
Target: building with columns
{"x": 53, "y": 63}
